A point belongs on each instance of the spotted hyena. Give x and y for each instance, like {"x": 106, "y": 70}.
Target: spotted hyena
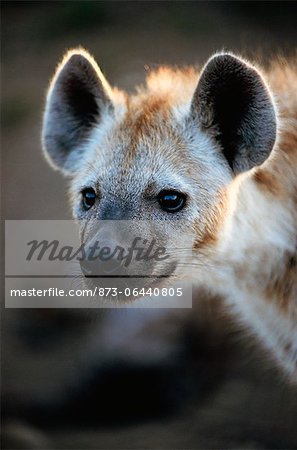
{"x": 210, "y": 155}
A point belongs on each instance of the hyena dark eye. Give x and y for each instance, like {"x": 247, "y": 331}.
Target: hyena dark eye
{"x": 171, "y": 201}
{"x": 88, "y": 198}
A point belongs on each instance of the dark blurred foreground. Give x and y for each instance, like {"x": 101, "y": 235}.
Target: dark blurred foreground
{"x": 140, "y": 379}
{"x": 120, "y": 379}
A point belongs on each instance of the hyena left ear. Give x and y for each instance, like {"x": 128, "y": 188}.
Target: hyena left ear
{"x": 77, "y": 99}
{"x": 233, "y": 104}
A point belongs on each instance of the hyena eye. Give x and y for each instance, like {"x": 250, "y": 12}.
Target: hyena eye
{"x": 88, "y": 198}
{"x": 171, "y": 201}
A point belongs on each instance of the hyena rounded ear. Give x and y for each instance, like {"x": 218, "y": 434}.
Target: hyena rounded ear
{"x": 77, "y": 100}
{"x": 234, "y": 105}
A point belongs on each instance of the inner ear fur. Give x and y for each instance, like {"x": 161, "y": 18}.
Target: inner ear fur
{"x": 232, "y": 102}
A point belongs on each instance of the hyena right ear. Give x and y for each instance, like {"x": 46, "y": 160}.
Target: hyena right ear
{"x": 233, "y": 105}
{"x": 77, "y": 99}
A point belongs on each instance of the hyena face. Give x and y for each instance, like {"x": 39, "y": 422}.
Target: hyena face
{"x": 161, "y": 156}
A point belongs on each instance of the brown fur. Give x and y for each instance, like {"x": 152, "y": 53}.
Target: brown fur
{"x": 278, "y": 177}
{"x": 268, "y": 181}
{"x": 147, "y": 115}
{"x": 209, "y": 237}
{"x": 282, "y": 284}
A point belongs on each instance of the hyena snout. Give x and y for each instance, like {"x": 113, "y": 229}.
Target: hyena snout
{"x": 107, "y": 261}
{"x": 117, "y": 250}
{"x": 93, "y": 269}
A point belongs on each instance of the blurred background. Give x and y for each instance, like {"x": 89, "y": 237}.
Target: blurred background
{"x": 122, "y": 379}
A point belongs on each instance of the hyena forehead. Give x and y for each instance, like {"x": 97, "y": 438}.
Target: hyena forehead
{"x": 150, "y": 143}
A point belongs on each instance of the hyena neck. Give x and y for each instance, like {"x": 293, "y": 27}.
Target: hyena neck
{"x": 252, "y": 257}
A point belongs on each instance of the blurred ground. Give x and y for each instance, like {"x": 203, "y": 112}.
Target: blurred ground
{"x": 66, "y": 382}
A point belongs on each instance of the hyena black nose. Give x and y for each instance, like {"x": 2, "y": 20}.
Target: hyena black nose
{"x": 105, "y": 263}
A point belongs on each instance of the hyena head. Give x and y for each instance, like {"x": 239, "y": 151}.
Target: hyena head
{"x": 162, "y": 156}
